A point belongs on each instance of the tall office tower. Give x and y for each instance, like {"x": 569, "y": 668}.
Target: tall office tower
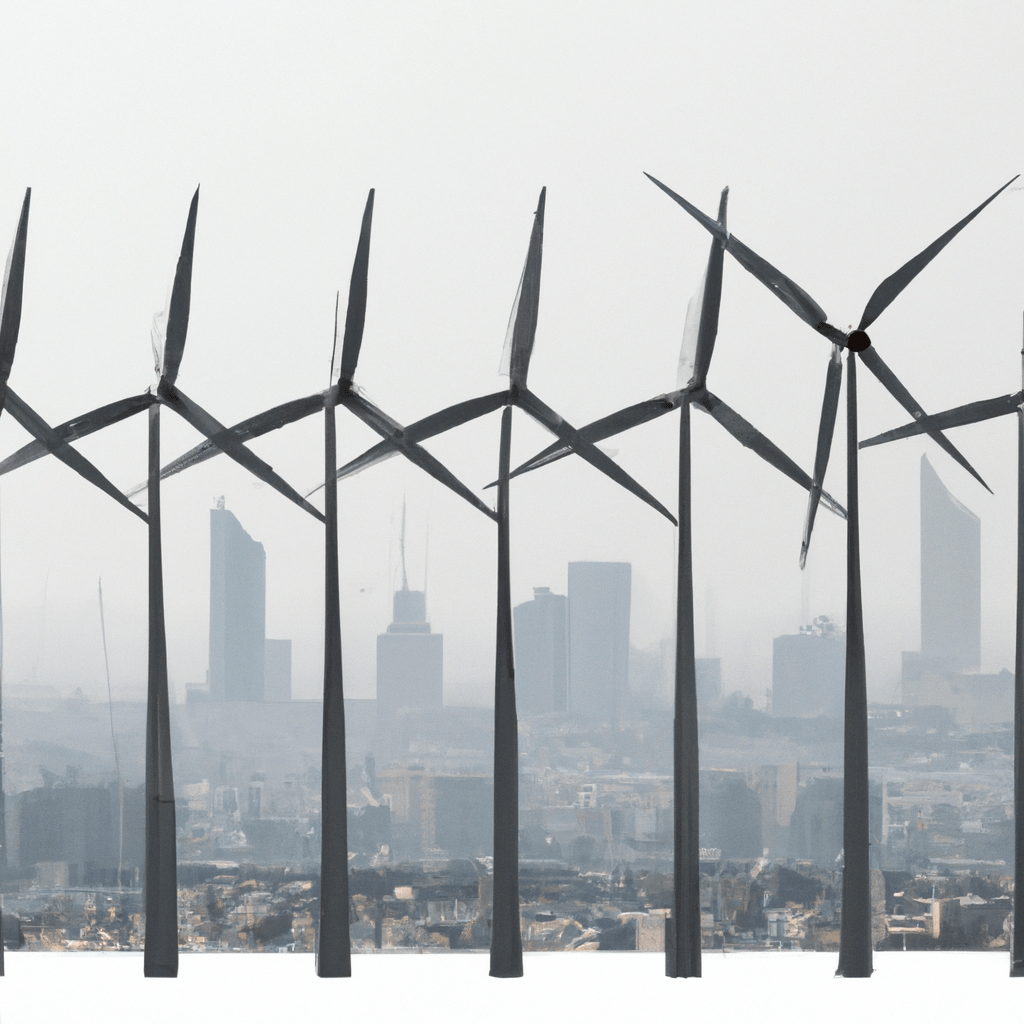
{"x": 541, "y": 650}
{"x": 410, "y": 667}
{"x": 809, "y": 672}
{"x": 238, "y": 602}
{"x": 599, "y": 595}
{"x": 950, "y": 579}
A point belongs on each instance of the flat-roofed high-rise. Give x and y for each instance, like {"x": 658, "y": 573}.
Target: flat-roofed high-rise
{"x": 599, "y": 602}
{"x": 238, "y": 603}
{"x": 950, "y": 579}
{"x": 541, "y": 649}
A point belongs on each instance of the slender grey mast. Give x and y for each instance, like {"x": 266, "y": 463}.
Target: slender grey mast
{"x": 506, "y": 935}
{"x": 855, "y": 954}
{"x": 161, "y": 890}
{"x": 333, "y": 951}
{"x": 113, "y": 740}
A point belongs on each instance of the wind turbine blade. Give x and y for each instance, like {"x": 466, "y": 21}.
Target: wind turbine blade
{"x": 421, "y": 430}
{"x": 10, "y": 297}
{"x": 55, "y": 445}
{"x": 522, "y": 325}
{"x": 711, "y": 301}
{"x": 974, "y": 412}
{"x": 393, "y": 431}
{"x": 255, "y": 426}
{"x": 750, "y": 437}
{"x": 181, "y": 298}
{"x": 378, "y": 453}
{"x": 355, "y": 318}
{"x": 787, "y": 290}
{"x": 79, "y": 427}
{"x": 826, "y": 429}
{"x": 892, "y": 384}
{"x": 422, "y": 458}
{"x": 454, "y": 416}
{"x": 895, "y": 283}
{"x": 568, "y": 435}
{"x": 231, "y": 446}
{"x": 374, "y": 417}
{"x": 608, "y": 426}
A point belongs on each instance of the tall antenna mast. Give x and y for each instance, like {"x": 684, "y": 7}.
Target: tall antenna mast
{"x": 113, "y": 738}
{"x": 426, "y": 557}
{"x": 405, "y": 578}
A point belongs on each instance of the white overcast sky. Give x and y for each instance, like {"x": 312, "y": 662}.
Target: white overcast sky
{"x": 851, "y": 135}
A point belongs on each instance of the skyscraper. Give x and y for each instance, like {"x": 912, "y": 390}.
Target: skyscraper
{"x": 809, "y": 672}
{"x": 410, "y": 666}
{"x": 238, "y": 601}
{"x": 950, "y": 579}
{"x": 599, "y": 601}
{"x": 541, "y": 651}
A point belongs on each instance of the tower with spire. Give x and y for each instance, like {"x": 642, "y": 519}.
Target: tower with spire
{"x": 410, "y": 667}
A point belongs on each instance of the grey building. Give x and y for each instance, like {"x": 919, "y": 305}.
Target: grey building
{"x": 599, "y": 602}
{"x": 238, "y": 601}
{"x": 709, "y": 679}
{"x": 809, "y": 672}
{"x": 410, "y": 671}
{"x": 950, "y": 579}
{"x": 542, "y": 653}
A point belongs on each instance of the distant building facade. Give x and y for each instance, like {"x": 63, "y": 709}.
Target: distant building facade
{"x": 542, "y": 653}
{"x": 809, "y": 672}
{"x": 709, "y": 679}
{"x": 950, "y": 579}
{"x": 410, "y": 670}
{"x": 599, "y": 604}
{"x": 945, "y": 672}
{"x": 238, "y": 602}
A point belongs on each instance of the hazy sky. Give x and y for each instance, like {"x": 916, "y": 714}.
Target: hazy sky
{"x": 850, "y": 139}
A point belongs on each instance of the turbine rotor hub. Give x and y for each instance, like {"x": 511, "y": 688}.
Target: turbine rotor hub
{"x": 858, "y": 341}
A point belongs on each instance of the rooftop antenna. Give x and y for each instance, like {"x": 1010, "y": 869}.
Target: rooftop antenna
{"x": 113, "y": 739}
{"x": 426, "y": 557}
{"x": 405, "y": 578}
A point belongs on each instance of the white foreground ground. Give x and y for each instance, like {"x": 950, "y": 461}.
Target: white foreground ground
{"x": 590, "y": 987}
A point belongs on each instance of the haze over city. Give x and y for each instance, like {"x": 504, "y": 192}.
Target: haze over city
{"x": 844, "y": 158}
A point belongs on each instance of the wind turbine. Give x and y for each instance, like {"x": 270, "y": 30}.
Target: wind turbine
{"x": 976, "y": 412}
{"x": 47, "y": 439}
{"x": 333, "y": 940}
{"x": 682, "y": 949}
{"x": 855, "y": 953}
{"x": 169, "y": 334}
{"x": 506, "y": 954}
